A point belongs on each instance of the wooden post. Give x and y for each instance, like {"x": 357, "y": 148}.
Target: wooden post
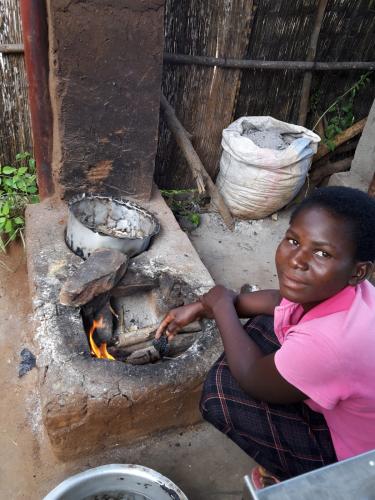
{"x": 197, "y": 168}
{"x": 306, "y": 86}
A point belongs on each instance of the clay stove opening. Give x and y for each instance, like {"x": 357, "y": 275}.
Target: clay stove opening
{"x": 122, "y": 327}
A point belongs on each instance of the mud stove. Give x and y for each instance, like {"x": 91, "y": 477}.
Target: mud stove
{"x": 89, "y": 403}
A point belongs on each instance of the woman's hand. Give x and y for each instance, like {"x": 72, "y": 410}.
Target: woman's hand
{"x": 179, "y": 317}
{"x": 217, "y": 296}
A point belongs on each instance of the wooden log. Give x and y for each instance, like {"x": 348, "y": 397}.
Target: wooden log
{"x": 199, "y": 172}
{"x": 144, "y": 356}
{"x": 345, "y": 136}
{"x": 329, "y": 168}
{"x": 135, "y": 337}
{"x": 311, "y": 52}
{"x": 227, "y": 62}
{"x": 147, "y": 353}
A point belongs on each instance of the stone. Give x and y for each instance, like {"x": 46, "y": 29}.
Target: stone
{"x": 97, "y": 275}
{"x": 134, "y": 282}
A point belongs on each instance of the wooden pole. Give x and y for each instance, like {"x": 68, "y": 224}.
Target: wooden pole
{"x": 311, "y": 53}
{"x": 11, "y": 48}
{"x": 199, "y": 172}
{"x": 223, "y": 62}
{"x": 329, "y": 168}
{"x": 349, "y": 133}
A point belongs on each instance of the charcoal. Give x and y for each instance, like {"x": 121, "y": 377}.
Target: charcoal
{"x": 28, "y": 362}
{"x": 161, "y": 345}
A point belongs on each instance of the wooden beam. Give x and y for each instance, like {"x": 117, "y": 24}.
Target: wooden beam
{"x": 311, "y": 53}
{"x": 224, "y": 62}
{"x": 349, "y": 133}
{"x": 11, "y": 48}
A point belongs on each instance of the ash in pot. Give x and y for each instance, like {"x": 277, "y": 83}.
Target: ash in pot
{"x": 116, "y": 495}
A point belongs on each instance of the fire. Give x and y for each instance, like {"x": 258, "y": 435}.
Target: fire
{"x": 100, "y": 352}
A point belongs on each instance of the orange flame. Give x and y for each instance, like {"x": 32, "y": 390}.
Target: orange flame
{"x": 100, "y": 352}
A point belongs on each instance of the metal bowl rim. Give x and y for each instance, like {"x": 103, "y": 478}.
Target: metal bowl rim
{"x": 124, "y": 202}
{"x": 121, "y": 469}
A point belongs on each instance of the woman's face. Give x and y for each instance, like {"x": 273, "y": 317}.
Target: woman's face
{"x": 315, "y": 260}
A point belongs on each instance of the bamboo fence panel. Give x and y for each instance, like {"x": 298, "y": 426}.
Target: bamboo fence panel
{"x": 276, "y": 30}
{"x": 15, "y": 129}
{"x": 203, "y": 98}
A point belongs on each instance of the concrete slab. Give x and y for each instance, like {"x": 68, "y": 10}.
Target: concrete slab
{"x": 245, "y": 255}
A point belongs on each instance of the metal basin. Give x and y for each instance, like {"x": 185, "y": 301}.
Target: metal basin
{"x": 118, "y": 482}
{"x": 101, "y": 222}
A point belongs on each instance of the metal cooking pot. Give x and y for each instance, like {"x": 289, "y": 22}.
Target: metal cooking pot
{"x": 117, "y": 481}
{"x": 101, "y": 222}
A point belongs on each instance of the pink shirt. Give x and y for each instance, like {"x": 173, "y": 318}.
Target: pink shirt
{"x": 329, "y": 354}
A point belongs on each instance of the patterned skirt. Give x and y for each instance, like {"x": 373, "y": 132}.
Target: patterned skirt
{"x": 287, "y": 440}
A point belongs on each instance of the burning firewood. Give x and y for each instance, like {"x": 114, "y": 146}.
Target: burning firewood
{"x": 103, "y": 333}
{"x": 144, "y": 356}
{"x": 134, "y": 337}
{"x": 146, "y": 352}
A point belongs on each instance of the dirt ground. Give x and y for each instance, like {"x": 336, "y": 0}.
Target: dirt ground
{"x": 200, "y": 460}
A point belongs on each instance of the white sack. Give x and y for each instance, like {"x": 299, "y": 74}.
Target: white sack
{"x": 256, "y": 182}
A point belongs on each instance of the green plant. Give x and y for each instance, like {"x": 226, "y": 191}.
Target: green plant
{"x": 17, "y": 188}
{"x": 184, "y": 203}
{"x": 340, "y": 113}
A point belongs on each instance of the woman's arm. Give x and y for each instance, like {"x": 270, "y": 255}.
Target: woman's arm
{"x": 254, "y": 303}
{"x": 255, "y": 372}
{"x": 246, "y": 304}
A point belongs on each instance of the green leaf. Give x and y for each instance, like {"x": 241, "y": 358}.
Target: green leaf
{"x": 22, "y": 156}
{"x": 22, "y": 171}
{"x": 19, "y": 221}
{"x": 9, "y": 181}
{"x": 8, "y": 170}
{"x": 5, "y": 208}
{"x": 195, "y": 219}
{"x": 8, "y": 226}
{"x": 32, "y": 163}
{"x": 32, "y": 189}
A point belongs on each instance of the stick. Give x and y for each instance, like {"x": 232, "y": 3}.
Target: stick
{"x": 130, "y": 338}
{"x": 223, "y": 62}
{"x": 311, "y": 53}
{"x": 148, "y": 354}
{"x": 349, "y": 133}
{"x": 199, "y": 172}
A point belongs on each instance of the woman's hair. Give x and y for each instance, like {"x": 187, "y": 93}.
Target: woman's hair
{"x": 352, "y": 205}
